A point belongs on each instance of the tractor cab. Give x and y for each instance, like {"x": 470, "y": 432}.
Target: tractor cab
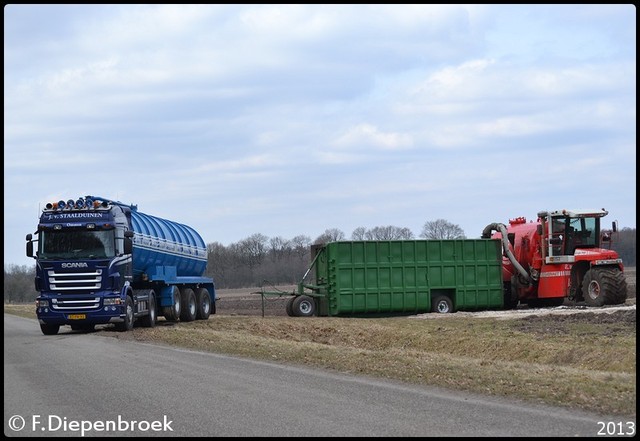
{"x": 565, "y": 231}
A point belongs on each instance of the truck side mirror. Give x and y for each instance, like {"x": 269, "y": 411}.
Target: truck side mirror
{"x": 128, "y": 243}
{"x": 614, "y": 226}
{"x": 539, "y": 229}
{"x": 29, "y": 245}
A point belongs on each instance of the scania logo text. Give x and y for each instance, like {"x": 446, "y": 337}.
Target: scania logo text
{"x": 75, "y": 265}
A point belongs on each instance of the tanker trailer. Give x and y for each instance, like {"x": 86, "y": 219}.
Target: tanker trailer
{"x": 100, "y": 261}
{"x": 559, "y": 256}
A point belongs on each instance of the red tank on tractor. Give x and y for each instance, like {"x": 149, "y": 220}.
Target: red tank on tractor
{"x": 559, "y": 256}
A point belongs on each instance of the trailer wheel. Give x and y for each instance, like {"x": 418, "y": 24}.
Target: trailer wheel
{"x": 289, "y": 306}
{"x": 127, "y": 325}
{"x": 149, "y": 320}
{"x": 442, "y": 305}
{"x": 172, "y": 313}
{"x": 203, "y": 299}
{"x": 303, "y": 306}
{"x": 189, "y": 305}
{"x": 49, "y": 329}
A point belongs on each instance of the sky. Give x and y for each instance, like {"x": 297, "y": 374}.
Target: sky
{"x": 288, "y": 120}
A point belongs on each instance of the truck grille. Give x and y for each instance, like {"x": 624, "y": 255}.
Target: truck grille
{"x": 75, "y": 281}
{"x": 72, "y": 305}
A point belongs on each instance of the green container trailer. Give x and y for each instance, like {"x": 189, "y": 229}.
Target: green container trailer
{"x": 401, "y": 276}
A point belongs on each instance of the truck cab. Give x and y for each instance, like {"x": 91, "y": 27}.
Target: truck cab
{"x": 83, "y": 265}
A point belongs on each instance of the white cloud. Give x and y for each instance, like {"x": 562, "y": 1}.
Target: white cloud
{"x": 366, "y": 136}
{"x": 290, "y": 119}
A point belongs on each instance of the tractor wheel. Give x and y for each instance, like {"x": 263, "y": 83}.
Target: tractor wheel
{"x": 604, "y": 287}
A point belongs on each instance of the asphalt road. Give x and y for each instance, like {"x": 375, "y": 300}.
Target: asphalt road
{"x": 74, "y": 384}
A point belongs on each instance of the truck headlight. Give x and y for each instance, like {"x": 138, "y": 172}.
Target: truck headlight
{"x": 42, "y": 303}
{"x": 111, "y": 301}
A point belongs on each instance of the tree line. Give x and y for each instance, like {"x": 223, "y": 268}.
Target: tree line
{"x": 262, "y": 261}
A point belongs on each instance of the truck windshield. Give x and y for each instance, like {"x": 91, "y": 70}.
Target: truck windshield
{"x": 76, "y": 244}
{"x": 582, "y": 233}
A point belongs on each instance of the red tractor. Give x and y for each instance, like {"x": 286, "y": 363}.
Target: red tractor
{"x": 558, "y": 257}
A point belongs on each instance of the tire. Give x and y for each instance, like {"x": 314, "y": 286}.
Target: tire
{"x": 172, "y": 313}
{"x": 289, "y": 306}
{"x": 189, "y": 305}
{"x": 203, "y": 300}
{"x": 149, "y": 320}
{"x": 604, "y": 286}
{"x": 49, "y": 329}
{"x": 303, "y": 306}
{"x": 442, "y": 305}
{"x": 127, "y": 325}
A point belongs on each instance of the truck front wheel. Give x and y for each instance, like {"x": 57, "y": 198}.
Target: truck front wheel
{"x": 127, "y": 324}
{"x": 49, "y": 329}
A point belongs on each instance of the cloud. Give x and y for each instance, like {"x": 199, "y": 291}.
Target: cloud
{"x": 291, "y": 119}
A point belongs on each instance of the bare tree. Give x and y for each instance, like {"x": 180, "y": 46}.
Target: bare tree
{"x": 278, "y": 247}
{"x": 254, "y": 248}
{"x": 301, "y": 245}
{"x": 388, "y": 232}
{"x": 330, "y": 235}
{"x": 442, "y": 229}
{"x": 18, "y": 284}
{"x": 359, "y": 233}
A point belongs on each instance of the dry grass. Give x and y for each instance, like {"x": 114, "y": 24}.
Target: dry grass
{"x": 576, "y": 361}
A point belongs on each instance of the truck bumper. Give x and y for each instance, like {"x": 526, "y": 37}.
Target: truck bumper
{"x": 80, "y": 317}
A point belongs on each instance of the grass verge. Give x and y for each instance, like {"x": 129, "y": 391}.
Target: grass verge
{"x": 575, "y": 361}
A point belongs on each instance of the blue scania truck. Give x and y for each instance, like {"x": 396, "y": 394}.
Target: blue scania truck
{"x": 100, "y": 261}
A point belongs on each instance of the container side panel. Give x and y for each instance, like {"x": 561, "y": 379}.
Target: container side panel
{"x": 402, "y": 276}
